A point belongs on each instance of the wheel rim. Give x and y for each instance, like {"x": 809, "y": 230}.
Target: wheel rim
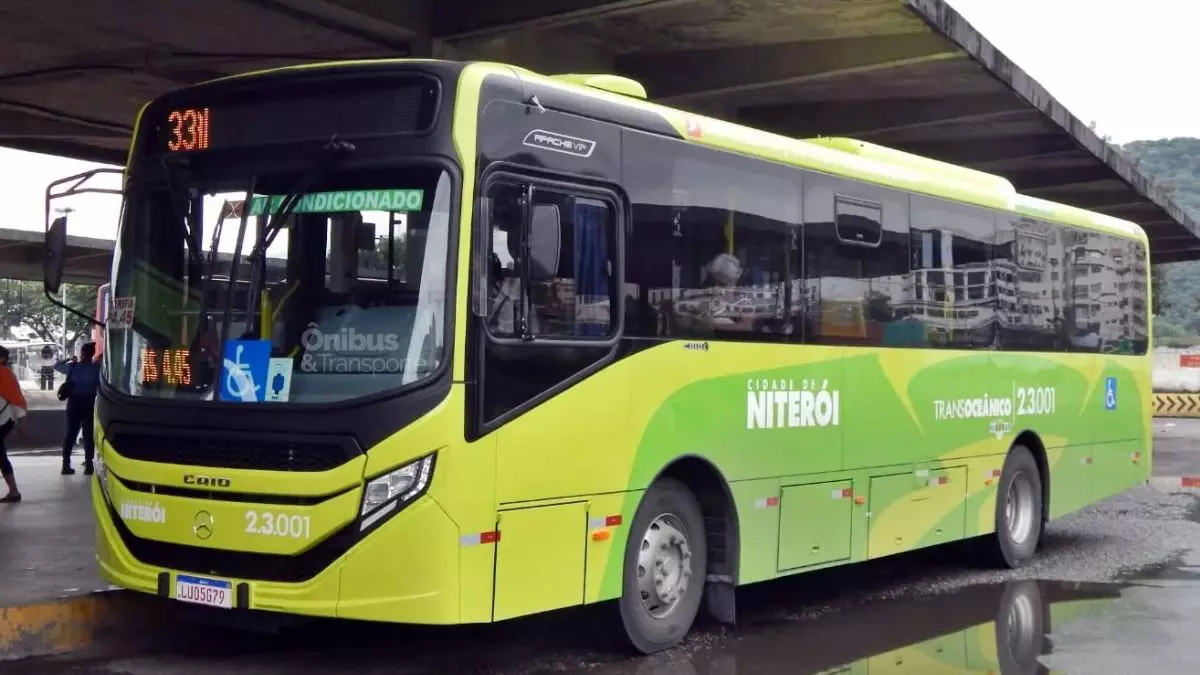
{"x": 664, "y": 565}
{"x": 1020, "y": 623}
{"x": 1018, "y": 506}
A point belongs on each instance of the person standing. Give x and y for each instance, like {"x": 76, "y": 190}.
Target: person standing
{"x": 46, "y": 370}
{"x": 12, "y": 409}
{"x": 82, "y": 381}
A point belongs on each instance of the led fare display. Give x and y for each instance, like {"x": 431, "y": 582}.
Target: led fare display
{"x": 165, "y": 367}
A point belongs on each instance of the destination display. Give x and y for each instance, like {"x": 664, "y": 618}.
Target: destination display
{"x": 401, "y": 104}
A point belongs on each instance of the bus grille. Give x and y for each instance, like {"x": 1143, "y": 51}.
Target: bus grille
{"x": 237, "y": 564}
{"x": 263, "y": 454}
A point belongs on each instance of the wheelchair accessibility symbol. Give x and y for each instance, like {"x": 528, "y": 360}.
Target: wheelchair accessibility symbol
{"x": 244, "y": 370}
{"x": 1110, "y": 393}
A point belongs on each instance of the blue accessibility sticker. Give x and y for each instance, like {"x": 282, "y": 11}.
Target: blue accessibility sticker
{"x": 1110, "y": 393}
{"x": 244, "y": 370}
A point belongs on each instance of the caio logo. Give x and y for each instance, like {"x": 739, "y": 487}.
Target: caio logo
{"x": 206, "y": 481}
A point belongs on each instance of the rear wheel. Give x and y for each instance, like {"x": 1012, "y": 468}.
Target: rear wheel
{"x": 664, "y": 568}
{"x": 1021, "y": 624}
{"x": 1019, "y": 511}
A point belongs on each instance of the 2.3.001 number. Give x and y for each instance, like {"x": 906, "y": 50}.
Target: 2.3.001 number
{"x": 1036, "y": 401}
{"x": 278, "y": 525}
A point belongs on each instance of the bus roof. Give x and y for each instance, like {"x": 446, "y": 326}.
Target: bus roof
{"x": 850, "y": 158}
{"x": 839, "y": 156}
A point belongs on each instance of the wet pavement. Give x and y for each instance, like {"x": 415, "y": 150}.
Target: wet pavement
{"x": 1175, "y": 447}
{"x": 47, "y": 542}
{"x": 1115, "y": 589}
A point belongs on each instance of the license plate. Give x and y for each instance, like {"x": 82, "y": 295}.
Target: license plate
{"x": 201, "y": 591}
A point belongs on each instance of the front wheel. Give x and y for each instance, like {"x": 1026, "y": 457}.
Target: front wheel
{"x": 665, "y": 565}
{"x": 1019, "y": 511}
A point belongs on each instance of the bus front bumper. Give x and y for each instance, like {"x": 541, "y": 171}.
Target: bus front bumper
{"x": 406, "y": 571}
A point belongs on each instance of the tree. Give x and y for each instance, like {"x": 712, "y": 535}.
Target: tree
{"x": 24, "y": 304}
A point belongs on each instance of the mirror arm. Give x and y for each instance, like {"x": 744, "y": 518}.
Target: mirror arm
{"x": 58, "y": 303}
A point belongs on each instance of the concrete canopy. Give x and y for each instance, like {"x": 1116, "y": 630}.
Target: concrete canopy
{"x": 910, "y": 74}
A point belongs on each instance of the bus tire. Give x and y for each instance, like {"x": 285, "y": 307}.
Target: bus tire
{"x": 664, "y": 568}
{"x": 1019, "y": 511}
{"x": 1022, "y": 621}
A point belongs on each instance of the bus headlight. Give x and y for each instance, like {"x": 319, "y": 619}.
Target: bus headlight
{"x": 392, "y": 490}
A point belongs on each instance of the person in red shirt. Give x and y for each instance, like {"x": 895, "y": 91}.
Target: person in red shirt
{"x": 12, "y": 409}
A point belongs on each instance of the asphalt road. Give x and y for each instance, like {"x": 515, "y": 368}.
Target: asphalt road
{"x": 1116, "y": 589}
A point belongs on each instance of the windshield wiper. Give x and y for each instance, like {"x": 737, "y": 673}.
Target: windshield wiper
{"x": 266, "y": 236}
{"x": 236, "y": 261}
{"x": 202, "y": 345}
{"x": 185, "y": 218}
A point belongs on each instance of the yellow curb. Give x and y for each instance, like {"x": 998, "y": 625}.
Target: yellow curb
{"x": 68, "y": 624}
{"x": 1176, "y": 405}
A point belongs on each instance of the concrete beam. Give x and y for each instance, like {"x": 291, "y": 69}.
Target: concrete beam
{"x": 861, "y": 118}
{"x": 1169, "y": 240}
{"x": 82, "y": 149}
{"x": 393, "y": 21}
{"x": 458, "y": 20}
{"x": 1008, "y": 165}
{"x": 732, "y": 70}
{"x": 338, "y": 18}
{"x": 1099, "y": 200}
{"x": 946, "y": 20}
{"x": 171, "y": 67}
{"x": 1109, "y": 184}
{"x": 975, "y": 152}
{"x": 18, "y": 124}
{"x": 1162, "y": 257}
{"x": 539, "y": 51}
{"x": 1030, "y": 181}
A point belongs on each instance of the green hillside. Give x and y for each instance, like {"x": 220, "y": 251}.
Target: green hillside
{"x": 1177, "y": 293}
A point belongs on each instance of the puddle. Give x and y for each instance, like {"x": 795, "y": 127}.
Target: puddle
{"x": 999, "y": 629}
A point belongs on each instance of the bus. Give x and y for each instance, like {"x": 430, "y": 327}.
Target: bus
{"x": 535, "y": 342}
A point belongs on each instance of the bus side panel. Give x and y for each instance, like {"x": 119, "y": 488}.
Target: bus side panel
{"x": 1121, "y": 402}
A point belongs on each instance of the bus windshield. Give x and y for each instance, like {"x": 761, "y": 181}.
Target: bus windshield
{"x": 346, "y": 300}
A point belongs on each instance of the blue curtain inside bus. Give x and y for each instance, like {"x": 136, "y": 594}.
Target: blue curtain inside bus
{"x": 591, "y": 267}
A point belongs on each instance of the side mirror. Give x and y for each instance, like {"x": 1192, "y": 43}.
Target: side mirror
{"x": 56, "y": 250}
{"x": 545, "y": 242}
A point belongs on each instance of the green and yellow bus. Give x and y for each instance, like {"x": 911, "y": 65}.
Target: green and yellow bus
{"x": 531, "y": 342}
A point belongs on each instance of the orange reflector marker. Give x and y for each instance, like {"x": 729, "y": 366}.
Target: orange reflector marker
{"x": 481, "y": 538}
{"x": 1136, "y": 457}
{"x": 860, "y": 500}
{"x": 606, "y": 521}
{"x": 601, "y": 535}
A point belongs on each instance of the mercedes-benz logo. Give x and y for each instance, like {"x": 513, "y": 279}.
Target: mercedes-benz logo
{"x": 202, "y": 526}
